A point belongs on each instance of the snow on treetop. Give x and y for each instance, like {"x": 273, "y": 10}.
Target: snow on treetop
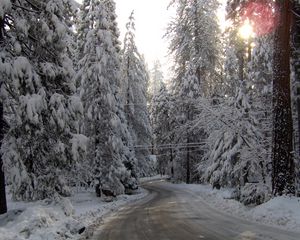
{"x": 5, "y": 6}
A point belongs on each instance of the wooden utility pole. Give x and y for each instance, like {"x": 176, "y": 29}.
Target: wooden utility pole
{"x": 3, "y": 205}
{"x": 283, "y": 174}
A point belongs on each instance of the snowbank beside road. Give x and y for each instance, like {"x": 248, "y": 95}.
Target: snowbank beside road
{"x": 154, "y": 178}
{"x": 74, "y": 217}
{"x": 282, "y": 212}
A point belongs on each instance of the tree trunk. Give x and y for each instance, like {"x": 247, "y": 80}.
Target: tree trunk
{"x": 241, "y": 64}
{"x": 188, "y": 155}
{"x": 172, "y": 163}
{"x": 188, "y": 161}
{"x": 296, "y": 68}
{"x": 249, "y": 50}
{"x": 3, "y": 205}
{"x": 283, "y": 174}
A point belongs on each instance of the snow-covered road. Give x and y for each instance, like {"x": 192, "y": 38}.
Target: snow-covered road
{"x": 171, "y": 212}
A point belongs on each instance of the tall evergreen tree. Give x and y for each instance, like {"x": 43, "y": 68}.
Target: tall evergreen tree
{"x": 263, "y": 14}
{"x": 38, "y": 149}
{"x": 5, "y": 7}
{"x": 162, "y": 108}
{"x": 194, "y": 44}
{"x": 156, "y": 80}
{"x": 251, "y": 70}
{"x": 136, "y": 102}
{"x": 100, "y": 90}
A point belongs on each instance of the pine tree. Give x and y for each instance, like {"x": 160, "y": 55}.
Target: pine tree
{"x": 282, "y": 160}
{"x": 129, "y": 160}
{"x": 194, "y": 44}
{"x": 100, "y": 88}
{"x": 259, "y": 90}
{"x": 232, "y": 135}
{"x": 136, "y": 103}
{"x": 231, "y": 156}
{"x": 156, "y": 80}
{"x": 4, "y": 8}
{"x": 39, "y": 147}
{"x": 162, "y": 120}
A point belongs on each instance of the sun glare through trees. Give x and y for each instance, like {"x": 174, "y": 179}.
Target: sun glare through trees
{"x": 246, "y": 30}
{"x": 261, "y": 15}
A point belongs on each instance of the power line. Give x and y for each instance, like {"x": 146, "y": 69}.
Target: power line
{"x": 167, "y": 154}
{"x": 168, "y": 146}
{"x": 164, "y": 101}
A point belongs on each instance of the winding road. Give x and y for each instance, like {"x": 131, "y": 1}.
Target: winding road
{"x": 171, "y": 213}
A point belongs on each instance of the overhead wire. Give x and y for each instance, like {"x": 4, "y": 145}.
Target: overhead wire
{"x": 168, "y": 146}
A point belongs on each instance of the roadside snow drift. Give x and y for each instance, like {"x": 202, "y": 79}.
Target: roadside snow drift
{"x": 282, "y": 212}
{"x": 74, "y": 217}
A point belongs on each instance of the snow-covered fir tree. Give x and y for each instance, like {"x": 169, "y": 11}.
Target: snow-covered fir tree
{"x": 195, "y": 40}
{"x": 5, "y": 8}
{"x": 231, "y": 157}
{"x": 231, "y": 151}
{"x": 194, "y": 45}
{"x": 135, "y": 93}
{"x": 42, "y": 144}
{"x": 259, "y": 84}
{"x": 156, "y": 80}
{"x": 100, "y": 74}
{"x": 162, "y": 109}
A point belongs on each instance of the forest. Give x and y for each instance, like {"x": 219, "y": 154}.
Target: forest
{"x": 81, "y": 107}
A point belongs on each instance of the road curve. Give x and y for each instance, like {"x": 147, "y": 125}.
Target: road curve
{"x": 170, "y": 213}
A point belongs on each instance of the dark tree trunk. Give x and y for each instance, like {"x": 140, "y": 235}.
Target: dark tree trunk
{"x": 188, "y": 162}
{"x": 249, "y": 50}
{"x": 188, "y": 155}
{"x": 172, "y": 163}
{"x": 3, "y": 205}
{"x": 241, "y": 63}
{"x": 296, "y": 68}
{"x": 283, "y": 175}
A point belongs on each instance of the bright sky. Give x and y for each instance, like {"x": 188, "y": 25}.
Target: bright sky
{"x": 151, "y": 18}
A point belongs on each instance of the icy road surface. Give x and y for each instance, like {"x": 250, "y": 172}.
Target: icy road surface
{"x": 171, "y": 213}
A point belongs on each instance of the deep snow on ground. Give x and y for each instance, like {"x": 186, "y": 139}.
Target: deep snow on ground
{"x": 43, "y": 220}
{"x": 154, "y": 178}
{"x": 282, "y": 212}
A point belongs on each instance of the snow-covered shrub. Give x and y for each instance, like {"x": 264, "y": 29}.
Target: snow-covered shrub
{"x": 67, "y": 206}
{"x": 254, "y": 194}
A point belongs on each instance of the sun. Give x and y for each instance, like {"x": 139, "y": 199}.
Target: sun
{"x": 262, "y": 15}
{"x": 246, "y": 30}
